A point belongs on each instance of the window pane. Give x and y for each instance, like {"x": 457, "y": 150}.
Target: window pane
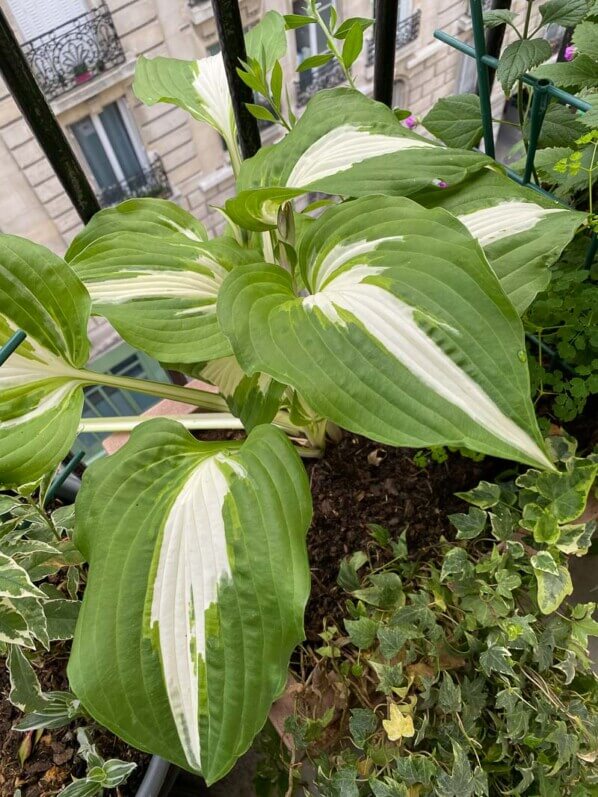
{"x": 122, "y": 145}
{"x": 94, "y": 153}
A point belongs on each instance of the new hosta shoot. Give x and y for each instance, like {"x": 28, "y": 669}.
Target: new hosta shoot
{"x": 391, "y": 308}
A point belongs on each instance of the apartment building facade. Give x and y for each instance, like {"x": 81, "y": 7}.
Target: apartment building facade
{"x": 83, "y": 53}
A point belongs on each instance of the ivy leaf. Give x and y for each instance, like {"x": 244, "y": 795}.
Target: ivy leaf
{"x": 456, "y": 564}
{"x": 485, "y": 495}
{"x": 496, "y": 659}
{"x": 390, "y": 676}
{"x": 507, "y": 582}
{"x": 388, "y": 788}
{"x": 565, "y": 743}
{"x": 519, "y": 57}
{"x": 386, "y": 591}
{"x": 348, "y": 578}
{"x": 25, "y": 691}
{"x": 554, "y": 582}
{"x": 567, "y": 666}
{"x": 362, "y": 632}
{"x": 576, "y": 539}
{"x": 492, "y": 19}
{"x": 362, "y": 725}
{"x": 393, "y": 637}
{"x": 470, "y": 525}
{"x": 460, "y": 782}
{"x": 398, "y": 725}
{"x": 414, "y": 769}
{"x": 501, "y": 523}
{"x": 456, "y": 120}
{"x": 449, "y": 695}
{"x": 564, "y": 12}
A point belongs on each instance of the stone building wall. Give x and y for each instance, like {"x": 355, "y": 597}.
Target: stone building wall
{"x": 32, "y": 202}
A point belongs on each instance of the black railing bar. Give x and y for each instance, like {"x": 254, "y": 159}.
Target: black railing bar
{"x": 495, "y": 37}
{"x": 565, "y": 42}
{"x": 232, "y": 46}
{"x": 558, "y": 94}
{"x": 385, "y": 38}
{"x": 102, "y": 7}
{"x": 21, "y": 83}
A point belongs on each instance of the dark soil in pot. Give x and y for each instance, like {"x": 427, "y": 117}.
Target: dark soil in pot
{"x": 52, "y": 761}
{"x": 360, "y": 482}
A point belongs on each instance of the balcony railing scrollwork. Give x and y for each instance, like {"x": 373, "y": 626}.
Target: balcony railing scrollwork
{"x": 150, "y": 182}
{"x": 74, "y": 52}
{"x": 321, "y": 77}
{"x": 407, "y": 31}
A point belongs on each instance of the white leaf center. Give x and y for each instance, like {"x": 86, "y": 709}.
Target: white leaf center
{"x": 343, "y": 147}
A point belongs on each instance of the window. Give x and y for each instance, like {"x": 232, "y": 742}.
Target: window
{"x": 399, "y": 99}
{"x": 467, "y": 78}
{"x": 112, "y": 148}
{"x": 35, "y": 17}
{"x": 103, "y": 402}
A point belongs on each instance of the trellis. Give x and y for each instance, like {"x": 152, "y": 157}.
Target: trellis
{"x": 21, "y": 82}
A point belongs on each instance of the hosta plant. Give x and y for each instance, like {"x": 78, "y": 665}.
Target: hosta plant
{"x": 463, "y": 674}
{"x": 391, "y": 308}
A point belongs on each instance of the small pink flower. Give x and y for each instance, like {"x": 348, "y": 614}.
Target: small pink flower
{"x": 439, "y": 183}
{"x": 410, "y": 122}
{"x": 570, "y": 51}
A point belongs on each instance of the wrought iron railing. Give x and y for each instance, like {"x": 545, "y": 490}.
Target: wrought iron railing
{"x": 74, "y": 52}
{"x": 148, "y": 182}
{"x": 407, "y": 31}
{"x": 320, "y": 77}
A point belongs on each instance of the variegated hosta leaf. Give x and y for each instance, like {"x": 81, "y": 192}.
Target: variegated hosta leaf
{"x": 349, "y": 145}
{"x": 199, "y": 87}
{"x": 160, "y": 294}
{"x": 40, "y": 395}
{"x": 254, "y": 399}
{"x": 159, "y": 218}
{"x": 406, "y": 335}
{"x": 203, "y": 544}
{"x": 521, "y": 232}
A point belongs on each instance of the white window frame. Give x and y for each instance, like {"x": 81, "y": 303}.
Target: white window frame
{"x": 133, "y": 133}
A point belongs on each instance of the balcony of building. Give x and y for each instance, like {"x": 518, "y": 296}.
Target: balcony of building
{"x": 151, "y": 181}
{"x": 75, "y": 52}
{"x": 407, "y": 31}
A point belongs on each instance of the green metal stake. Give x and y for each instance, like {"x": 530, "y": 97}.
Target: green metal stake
{"x": 61, "y": 477}
{"x": 483, "y": 78}
{"x": 540, "y": 100}
{"x": 11, "y": 344}
{"x": 592, "y": 249}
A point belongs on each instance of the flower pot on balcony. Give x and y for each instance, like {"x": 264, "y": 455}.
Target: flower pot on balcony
{"x": 81, "y": 74}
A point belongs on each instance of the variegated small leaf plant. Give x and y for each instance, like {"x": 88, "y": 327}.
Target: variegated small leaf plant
{"x": 390, "y": 308}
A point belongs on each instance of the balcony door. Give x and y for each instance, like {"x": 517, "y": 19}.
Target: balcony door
{"x": 113, "y": 151}
{"x": 35, "y": 17}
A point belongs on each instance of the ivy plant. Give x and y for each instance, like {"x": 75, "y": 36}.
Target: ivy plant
{"x": 391, "y": 308}
{"x": 463, "y": 674}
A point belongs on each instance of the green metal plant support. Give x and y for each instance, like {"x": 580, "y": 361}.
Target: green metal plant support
{"x": 11, "y": 345}
{"x": 543, "y": 91}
